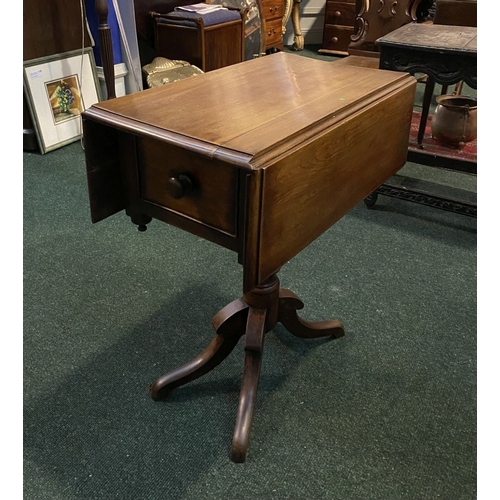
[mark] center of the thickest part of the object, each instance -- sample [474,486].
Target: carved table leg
[298,39]
[289,303]
[230,326]
[254,342]
[255,314]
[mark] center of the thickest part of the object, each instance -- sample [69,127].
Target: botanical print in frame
[58,89]
[65,97]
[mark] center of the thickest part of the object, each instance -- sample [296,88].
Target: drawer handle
[334,39]
[337,13]
[180,186]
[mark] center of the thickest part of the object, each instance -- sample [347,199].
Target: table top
[433,37]
[253,107]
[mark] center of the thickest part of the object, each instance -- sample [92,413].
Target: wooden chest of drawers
[339,26]
[272,17]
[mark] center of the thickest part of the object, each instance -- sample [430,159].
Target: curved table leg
[298,39]
[287,316]
[253,315]
[253,355]
[230,326]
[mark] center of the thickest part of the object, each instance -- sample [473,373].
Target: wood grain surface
[254,106]
[433,37]
[306,192]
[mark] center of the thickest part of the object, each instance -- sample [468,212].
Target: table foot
[229,324]
[371,199]
[253,315]
[289,303]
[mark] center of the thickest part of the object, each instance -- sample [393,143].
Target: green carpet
[387,412]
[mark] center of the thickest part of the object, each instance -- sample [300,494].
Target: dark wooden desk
[260,157]
[447,54]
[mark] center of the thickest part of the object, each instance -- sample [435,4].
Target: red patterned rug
[434,147]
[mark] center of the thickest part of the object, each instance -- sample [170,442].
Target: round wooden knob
[337,13]
[334,39]
[180,186]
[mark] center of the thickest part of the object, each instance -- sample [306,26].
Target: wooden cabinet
[339,26]
[208,47]
[272,20]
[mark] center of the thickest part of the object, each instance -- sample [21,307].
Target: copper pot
[455,120]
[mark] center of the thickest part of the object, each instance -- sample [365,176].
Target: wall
[52,27]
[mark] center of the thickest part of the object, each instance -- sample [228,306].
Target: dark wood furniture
[273,15]
[226,157]
[52,27]
[145,24]
[456,12]
[207,47]
[272,12]
[376,19]
[447,54]
[338,26]
[351,27]
[372,21]
[451,13]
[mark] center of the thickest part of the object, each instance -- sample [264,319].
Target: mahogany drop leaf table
[259,157]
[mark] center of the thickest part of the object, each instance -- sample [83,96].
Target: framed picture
[58,89]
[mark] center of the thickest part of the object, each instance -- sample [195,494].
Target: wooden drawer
[337,37]
[272,9]
[274,30]
[212,200]
[342,14]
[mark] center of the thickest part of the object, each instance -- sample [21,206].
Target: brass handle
[180,186]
